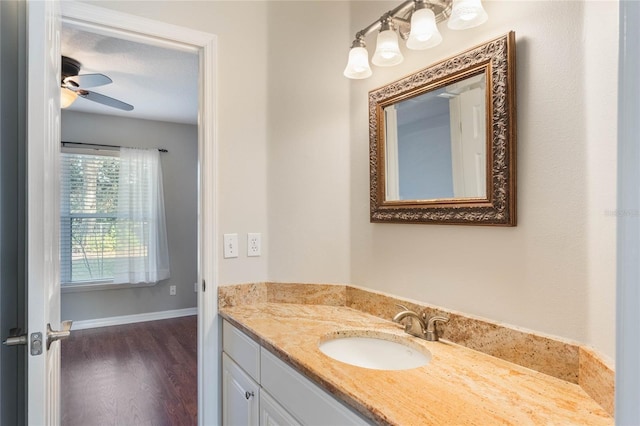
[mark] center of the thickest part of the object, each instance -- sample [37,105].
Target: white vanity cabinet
[240,395]
[260,389]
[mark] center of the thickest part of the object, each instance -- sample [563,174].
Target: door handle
[15,338]
[53,335]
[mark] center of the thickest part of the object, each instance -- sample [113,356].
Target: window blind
[88,213]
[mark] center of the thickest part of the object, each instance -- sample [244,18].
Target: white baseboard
[130,319]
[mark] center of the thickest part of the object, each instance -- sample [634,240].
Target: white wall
[601,118]
[289,169]
[554,272]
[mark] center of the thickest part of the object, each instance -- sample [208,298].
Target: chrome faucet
[416,325]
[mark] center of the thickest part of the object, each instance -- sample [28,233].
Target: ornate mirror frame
[496,59]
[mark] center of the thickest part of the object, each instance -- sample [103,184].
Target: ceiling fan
[73,85]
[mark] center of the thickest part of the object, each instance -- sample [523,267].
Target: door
[43,144]
[240,395]
[43,29]
[272,413]
[468,138]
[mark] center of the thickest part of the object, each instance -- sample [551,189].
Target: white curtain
[142,251]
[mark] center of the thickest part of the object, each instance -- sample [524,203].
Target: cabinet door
[301,397]
[240,395]
[272,413]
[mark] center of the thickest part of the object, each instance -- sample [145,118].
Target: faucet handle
[405,308]
[432,334]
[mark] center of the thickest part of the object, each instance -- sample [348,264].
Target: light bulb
[424,31]
[387,50]
[358,64]
[67,97]
[466,14]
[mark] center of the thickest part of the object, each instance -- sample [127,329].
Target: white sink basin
[375,350]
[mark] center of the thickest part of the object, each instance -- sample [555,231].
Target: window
[112,225]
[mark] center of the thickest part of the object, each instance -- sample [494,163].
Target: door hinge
[204,286]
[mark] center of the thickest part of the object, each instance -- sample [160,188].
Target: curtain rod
[102,145]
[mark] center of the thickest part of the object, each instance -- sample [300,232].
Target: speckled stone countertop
[460,386]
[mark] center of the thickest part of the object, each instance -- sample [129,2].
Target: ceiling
[160,83]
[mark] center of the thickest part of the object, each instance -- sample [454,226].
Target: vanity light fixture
[415,21]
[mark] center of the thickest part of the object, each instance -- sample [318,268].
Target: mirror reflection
[436,144]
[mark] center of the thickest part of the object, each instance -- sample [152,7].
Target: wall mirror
[443,141]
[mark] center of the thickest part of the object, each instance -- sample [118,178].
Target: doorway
[141,30]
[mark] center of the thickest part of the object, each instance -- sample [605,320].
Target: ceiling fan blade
[89,80]
[105,100]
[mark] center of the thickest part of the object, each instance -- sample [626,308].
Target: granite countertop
[459,386]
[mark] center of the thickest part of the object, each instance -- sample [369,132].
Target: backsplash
[553,357]
[559,358]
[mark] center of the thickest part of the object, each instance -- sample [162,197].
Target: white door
[272,413]
[468,142]
[43,144]
[42,203]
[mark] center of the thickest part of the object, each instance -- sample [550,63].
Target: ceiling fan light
[67,97]
[358,65]
[387,51]
[424,31]
[466,14]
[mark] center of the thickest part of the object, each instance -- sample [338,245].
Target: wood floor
[135,374]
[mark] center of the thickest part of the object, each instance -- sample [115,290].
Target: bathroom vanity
[259,388]
[274,373]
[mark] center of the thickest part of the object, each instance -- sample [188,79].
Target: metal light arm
[401,14]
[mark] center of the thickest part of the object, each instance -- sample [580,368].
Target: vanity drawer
[242,349]
[306,401]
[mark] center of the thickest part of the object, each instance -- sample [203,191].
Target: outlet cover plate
[254,244]
[230,245]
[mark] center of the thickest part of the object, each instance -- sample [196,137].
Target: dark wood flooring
[134,374]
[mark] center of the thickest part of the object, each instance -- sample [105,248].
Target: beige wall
[555,271]
[309,154]
[601,117]
[242,40]
[293,155]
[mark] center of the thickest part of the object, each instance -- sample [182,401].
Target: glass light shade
[67,97]
[358,65]
[387,51]
[424,31]
[466,14]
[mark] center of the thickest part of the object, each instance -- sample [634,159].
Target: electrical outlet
[254,244]
[172,290]
[230,245]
